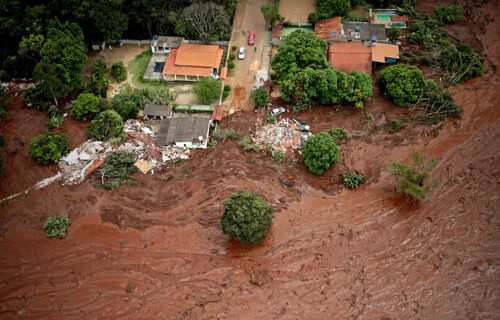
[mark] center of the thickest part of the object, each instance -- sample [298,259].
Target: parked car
[241,53]
[251,38]
[277,111]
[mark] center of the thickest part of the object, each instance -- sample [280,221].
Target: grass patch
[137,68]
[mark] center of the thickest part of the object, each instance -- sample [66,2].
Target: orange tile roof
[217,114]
[223,73]
[399,18]
[383,50]
[350,56]
[277,29]
[172,68]
[324,28]
[199,55]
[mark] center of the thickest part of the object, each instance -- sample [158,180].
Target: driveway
[247,18]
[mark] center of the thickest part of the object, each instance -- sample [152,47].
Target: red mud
[156,250]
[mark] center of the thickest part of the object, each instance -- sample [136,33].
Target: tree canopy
[259,97]
[48,148]
[86,107]
[449,14]
[128,110]
[320,152]
[333,8]
[207,90]
[247,217]
[108,124]
[403,83]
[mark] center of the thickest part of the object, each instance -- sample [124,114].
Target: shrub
[98,82]
[108,124]
[227,87]
[320,152]
[333,8]
[207,90]
[118,71]
[225,94]
[259,97]
[271,119]
[394,125]
[278,155]
[54,121]
[312,18]
[338,134]
[56,227]
[234,47]
[52,147]
[127,110]
[223,134]
[414,181]
[230,65]
[394,33]
[245,142]
[403,84]
[449,14]
[370,117]
[232,56]
[247,217]
[86,107]
[352,179]
[117,168]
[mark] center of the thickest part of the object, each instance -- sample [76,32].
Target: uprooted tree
[117,168]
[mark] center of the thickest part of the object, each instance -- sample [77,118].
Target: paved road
[247,18]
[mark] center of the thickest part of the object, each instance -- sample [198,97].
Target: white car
[241,53]
[277,111]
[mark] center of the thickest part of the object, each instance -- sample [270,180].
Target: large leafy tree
[247,217]
[333,8]
[207,90]
[52,147]
[320,152]
[110,20]
[108,124]
[259,97]
[86,107]
[403,83]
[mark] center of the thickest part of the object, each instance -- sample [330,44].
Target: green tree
[117,168]
[338,134]
[259,97]
[118,71]
[207,90]
[98,82]
[51,83]
[56,227]
[333,8]
[449,14]
[110,20]
[52,147]
[108,124]
[270,12]
[86,107]
[355,87]
[414,182]
[128,110]
[394,33]
[403,83]
[463,63]
[320,152]
[352,179]
[247,217]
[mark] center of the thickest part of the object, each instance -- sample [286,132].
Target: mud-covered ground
[156,250]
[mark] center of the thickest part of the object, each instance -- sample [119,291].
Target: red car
[251,38]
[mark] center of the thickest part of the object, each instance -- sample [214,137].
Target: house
[157,112]
[191,61]
[189,132]
[328,28]
[384,53]
[350,56]
[164,44]
[362,31]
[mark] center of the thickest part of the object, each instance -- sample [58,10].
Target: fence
[140,42]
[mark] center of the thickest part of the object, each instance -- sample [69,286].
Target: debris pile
[286,135]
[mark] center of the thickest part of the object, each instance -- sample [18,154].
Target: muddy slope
[156,250]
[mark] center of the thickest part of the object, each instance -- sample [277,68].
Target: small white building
[163,44]
[184,132]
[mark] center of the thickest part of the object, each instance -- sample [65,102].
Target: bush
[312,18]
[271,119]
[338,134]
[232,56]
[320,152]
[403,83]
[230,65]
[86,107]
[394,33]
[54,121]
[247,217]
[118,71]
[414,181]
[352,179]
[227,87]
[225,94]
[449,14]
[245,142]
[117,168]
[234,47]
[108,124]
[127,110]
[223,134]
[207,90]
[52,147]
[56,227]
[259,97]
[278,155]
[394,125]
[98,82]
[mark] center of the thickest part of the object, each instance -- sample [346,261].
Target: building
[189,132]
[164,44]
[191,61]
[156,112]
[350,56]
[327,29]
[362,31]
[384,53]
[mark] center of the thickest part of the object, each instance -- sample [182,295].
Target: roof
[169,42]
[350,56]
[324,28]
[171,68]
[179,130]
[199,55]
[367,30]
[277,29]
[382,50]
[217,114]
[157,110]
[399,18]
[143,166]
[223,73]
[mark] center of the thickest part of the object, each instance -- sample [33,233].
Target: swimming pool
[384,17]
